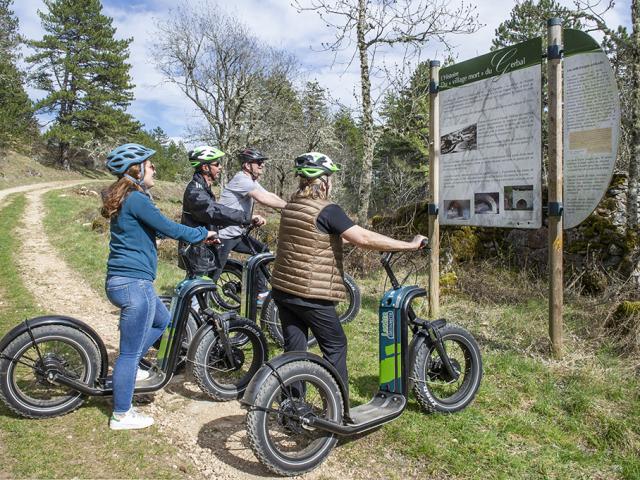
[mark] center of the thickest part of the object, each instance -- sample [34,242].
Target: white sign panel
[591,126]
[490,144]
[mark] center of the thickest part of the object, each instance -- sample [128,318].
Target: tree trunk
[367,119]
[63,155]
[633,203]
[633,206]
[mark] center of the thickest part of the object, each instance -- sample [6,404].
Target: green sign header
[505,60]
[576,41]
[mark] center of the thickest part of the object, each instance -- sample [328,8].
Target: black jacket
[199,208]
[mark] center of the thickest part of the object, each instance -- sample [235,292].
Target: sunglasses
[259,162]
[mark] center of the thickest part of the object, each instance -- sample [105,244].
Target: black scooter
[48,363]
[297,403]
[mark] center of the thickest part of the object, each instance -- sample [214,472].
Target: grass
[74,226]
[533,417]
[78,445]
[17,169]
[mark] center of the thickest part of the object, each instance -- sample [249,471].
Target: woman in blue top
[131,269]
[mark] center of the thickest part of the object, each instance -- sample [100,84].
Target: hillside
[18,169]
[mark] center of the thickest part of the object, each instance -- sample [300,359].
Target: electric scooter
[49,363]
[298,404]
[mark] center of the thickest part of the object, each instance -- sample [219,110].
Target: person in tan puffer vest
[307,278]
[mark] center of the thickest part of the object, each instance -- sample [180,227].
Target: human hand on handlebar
[420,242]
[212,238]
[258,220]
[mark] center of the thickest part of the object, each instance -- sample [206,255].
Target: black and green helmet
[203,155]
[314,164]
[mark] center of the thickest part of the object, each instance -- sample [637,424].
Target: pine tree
[16,114]
[83,69]
[529,19]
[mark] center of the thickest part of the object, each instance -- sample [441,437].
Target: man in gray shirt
[240,193]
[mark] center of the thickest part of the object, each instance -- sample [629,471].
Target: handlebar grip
[424,243]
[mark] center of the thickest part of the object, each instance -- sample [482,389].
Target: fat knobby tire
[431,404]
[198,367]
[256,418]
[83,345]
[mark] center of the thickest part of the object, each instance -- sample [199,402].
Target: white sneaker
[142,375]
[261,298]
[130,420]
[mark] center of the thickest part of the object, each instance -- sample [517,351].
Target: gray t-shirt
[235,195]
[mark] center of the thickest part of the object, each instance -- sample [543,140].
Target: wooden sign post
[554,69]
[434,172]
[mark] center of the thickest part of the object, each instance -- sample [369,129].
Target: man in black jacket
[200,208]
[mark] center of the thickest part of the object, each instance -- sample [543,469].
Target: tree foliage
[83,70]
[528,19]
[234,80]
[372,26]
[17,123]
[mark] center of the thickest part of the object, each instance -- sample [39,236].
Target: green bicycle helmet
[203,155]
[314,164]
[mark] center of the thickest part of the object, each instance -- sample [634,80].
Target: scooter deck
[382,408]
[153,382]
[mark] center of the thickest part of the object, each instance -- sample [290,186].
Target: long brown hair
[315,188]
[114,194]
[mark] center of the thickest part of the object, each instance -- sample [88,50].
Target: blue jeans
[143,319]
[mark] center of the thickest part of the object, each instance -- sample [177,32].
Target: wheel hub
[290,408]
[219,357]
[231,288]
[47,366]
[437,371]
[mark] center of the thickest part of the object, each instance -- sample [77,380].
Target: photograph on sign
[457,209]
[460,140]
[490,145]
[485,203]
[591,126]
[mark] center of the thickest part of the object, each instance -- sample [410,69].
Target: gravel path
[209,434]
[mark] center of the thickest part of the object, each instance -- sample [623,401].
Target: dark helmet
[314,164]
[248,155]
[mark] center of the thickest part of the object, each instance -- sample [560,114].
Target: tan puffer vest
[308,262]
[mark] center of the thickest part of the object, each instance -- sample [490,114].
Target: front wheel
[24,385]
[223,376]
[435,390]
[281,442]
[346,311]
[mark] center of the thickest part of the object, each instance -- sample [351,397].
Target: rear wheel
[24,384]
[435,390]
[282,442]
[224,378]
[229,287]
[346,311]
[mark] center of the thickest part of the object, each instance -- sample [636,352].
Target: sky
[276,22]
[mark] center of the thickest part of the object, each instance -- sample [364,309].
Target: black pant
[326,327]
[241,245]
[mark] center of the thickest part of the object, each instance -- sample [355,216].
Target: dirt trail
[38,186]
[209,434]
